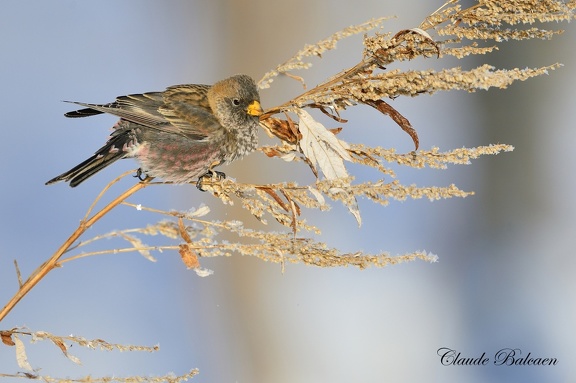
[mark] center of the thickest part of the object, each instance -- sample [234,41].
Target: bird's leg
[139,174]
[209,174]
[219,175]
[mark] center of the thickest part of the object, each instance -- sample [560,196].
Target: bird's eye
[236,101]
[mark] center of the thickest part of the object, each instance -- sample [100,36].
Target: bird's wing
[138,108]
[186,107]
[181,109]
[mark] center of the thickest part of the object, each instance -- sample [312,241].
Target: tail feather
[83,171]
[86,112]
[107,155]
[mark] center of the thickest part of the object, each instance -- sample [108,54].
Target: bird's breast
[241,142]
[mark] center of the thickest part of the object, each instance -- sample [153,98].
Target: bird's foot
[140,174]
[209,174]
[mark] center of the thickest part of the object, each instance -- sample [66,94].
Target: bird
[180,134]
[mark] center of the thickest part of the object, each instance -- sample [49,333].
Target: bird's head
[235,101]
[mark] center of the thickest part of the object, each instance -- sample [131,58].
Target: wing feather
[181,109]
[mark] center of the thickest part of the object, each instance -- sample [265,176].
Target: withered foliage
[370,83]
[449,31]
[12,338]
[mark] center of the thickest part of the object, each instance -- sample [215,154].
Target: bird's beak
[254,109]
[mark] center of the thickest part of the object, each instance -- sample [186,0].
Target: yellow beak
[254,109]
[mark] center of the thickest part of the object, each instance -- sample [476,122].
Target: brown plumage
[177,135]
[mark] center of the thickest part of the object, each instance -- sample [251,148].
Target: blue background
[505,276]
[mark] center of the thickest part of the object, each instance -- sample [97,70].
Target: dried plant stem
[358,68]
[85,224]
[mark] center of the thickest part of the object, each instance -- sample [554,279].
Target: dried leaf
[423,33]
[322,147]
[418,31]
[286,152]
[183,233]
[283,129]
[188,257]
[293,127]
[58,342]
[276,197]
[297,78]
[271,152]
[201,272]
[21,357]
[323,109]
[350,202]
[312,166]
[200,212]
[18,274]
[383,107]
[295,210]
[139,246]
[73,359]
[316,193]
[291,156]
[6,337]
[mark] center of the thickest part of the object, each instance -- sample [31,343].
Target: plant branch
[52,262]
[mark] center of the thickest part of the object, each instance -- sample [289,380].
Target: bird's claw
[139,174]
[209,174]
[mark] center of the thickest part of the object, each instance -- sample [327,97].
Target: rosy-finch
[178,135]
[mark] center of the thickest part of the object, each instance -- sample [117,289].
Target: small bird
[178,135]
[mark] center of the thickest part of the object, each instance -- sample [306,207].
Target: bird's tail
[106,155]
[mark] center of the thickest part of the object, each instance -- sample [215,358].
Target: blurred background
[506,255]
